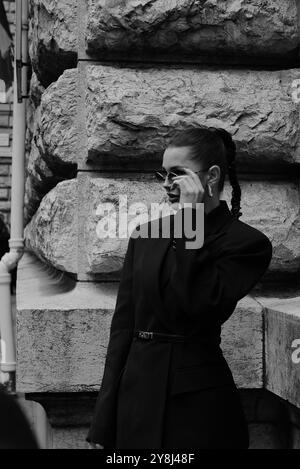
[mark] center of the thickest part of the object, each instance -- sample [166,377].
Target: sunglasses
[162,174]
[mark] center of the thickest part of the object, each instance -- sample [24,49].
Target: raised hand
[191,188]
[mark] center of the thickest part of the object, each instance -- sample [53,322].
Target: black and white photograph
[150,227]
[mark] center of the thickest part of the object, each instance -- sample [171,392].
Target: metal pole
[16,242]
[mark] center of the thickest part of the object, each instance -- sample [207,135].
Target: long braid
[231,170]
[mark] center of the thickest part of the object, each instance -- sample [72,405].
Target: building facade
[110,82]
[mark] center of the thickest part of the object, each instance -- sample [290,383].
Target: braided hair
[230,148]
[213,146]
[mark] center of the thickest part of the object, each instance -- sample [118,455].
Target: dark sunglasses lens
[160,176]
[172,176]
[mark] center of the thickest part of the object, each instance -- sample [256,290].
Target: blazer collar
[217,218]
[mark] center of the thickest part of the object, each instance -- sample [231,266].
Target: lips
[173,196]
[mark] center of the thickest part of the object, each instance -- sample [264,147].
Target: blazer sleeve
[103,427]
[208,287]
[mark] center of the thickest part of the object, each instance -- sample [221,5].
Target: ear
[214,174]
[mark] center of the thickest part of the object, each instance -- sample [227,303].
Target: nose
[167,184]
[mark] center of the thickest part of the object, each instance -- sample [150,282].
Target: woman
[166,383]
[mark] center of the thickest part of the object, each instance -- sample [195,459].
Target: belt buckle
[145,335]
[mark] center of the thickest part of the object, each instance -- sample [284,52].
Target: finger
[191,186]
[191,173]
[188,187]
[194,176]
[188,184]
[177,181]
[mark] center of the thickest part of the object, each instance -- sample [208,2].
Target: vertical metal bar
[18,60]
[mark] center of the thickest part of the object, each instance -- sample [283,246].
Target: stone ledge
[282,330]
[63,330]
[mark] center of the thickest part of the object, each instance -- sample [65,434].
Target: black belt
[151,335]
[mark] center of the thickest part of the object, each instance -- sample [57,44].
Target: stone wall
[111,80]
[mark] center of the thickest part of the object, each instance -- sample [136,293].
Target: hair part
[213,146]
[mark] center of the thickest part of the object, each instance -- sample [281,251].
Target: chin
[175,204]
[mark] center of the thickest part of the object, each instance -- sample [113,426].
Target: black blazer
[140,375]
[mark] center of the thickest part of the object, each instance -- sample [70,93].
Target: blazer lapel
[155,248]
[217,219]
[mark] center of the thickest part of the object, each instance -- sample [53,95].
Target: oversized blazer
[207,282]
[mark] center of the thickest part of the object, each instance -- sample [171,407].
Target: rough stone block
[273,208]
[178,30]
[135,192]
[52,233]
[282,344]
[52,37]
[244,351]
[32,197]
[36,90]
[33,107]
[37,168]
[57,135]
[51,137]
[132,113]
